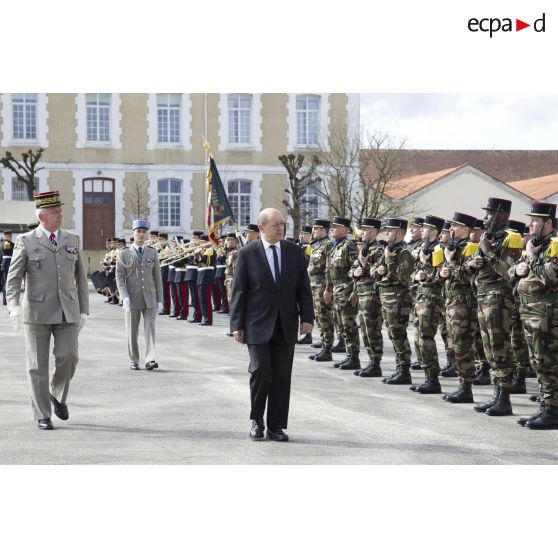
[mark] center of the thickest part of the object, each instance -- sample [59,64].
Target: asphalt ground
[194,409]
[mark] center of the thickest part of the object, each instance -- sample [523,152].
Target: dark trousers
[194,302]
[270,379]
[216,296]
[3,281]
[175,299]
[204,297]
[223,294]
[166,289]
[183,299]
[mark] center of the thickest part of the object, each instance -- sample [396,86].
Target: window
[239,198]
[170,198]
[98,191]
[310,203]
[98,116]
[24,110]
[240,118]
[168,117]
[19,189]
[307,119]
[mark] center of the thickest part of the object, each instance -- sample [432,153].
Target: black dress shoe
[151,365]
[134,366]
[181,318]
[257,430]
[277,435]
[205,323]
[193,321]
[229,334]
[60,409]
[45,424]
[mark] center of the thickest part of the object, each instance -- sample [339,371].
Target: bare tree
[136,199]
[299,178]
[25,171]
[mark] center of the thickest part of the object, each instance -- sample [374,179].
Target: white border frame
[255,121]
[7,123]
[185,124]
[291,120]
[115,141]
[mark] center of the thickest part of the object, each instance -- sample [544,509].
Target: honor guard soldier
[339,288]
[251,232]
[429,302]
[231,250]
[192,279]
[220,300]
[538,295]
[415,245]
[6,251]
[163,251]
[491,264]
[321,247]
[206,259]
[138,277]
[393,274]
[366,292]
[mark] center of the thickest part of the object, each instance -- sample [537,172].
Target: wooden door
[98,212]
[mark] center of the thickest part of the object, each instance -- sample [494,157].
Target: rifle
[365,250]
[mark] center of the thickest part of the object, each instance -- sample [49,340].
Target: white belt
[203,268]
[172,267]
[6,257]
[191,267]
[221,266]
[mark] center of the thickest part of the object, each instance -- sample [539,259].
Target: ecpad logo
[493,25]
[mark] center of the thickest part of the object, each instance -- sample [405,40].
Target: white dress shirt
[269,256]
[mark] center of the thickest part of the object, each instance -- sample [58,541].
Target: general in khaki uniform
[56,303]
[138,276]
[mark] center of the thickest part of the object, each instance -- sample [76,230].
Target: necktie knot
[52,238]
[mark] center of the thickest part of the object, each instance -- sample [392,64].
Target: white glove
[82,321]
[159,307]
[15,317]
[126,304]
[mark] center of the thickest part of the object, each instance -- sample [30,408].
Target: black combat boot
[415,386]
[432,385]
[535,398]
[338,364]
[403,377]
[305,340]
[317,345]
[524,420]
[481,407]
[463,395]
[397,369]
[448,371]
[503,406]
[373,370]
[518,384]
[353,363]
[531,373]
[324,355]
[340,347]
[547,421]
[417,365]
[482,377]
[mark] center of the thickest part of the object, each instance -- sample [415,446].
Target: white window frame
[115,124]
[240,195]
[170,195]
[255,128]
[185,124]
[6,113]
[323,120]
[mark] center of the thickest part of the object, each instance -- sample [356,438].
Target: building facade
[115,157]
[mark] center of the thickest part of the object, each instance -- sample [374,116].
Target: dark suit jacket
[257,300]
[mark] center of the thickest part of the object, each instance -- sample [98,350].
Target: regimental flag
[218,209]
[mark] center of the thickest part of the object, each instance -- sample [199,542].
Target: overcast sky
[454,121]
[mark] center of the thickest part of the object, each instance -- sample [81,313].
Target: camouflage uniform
[495,309]
[538,295]
[461,317]
[369,305]
[415,248]
[231,260]
[396,300]
[317,274]
[339,262]
[429,309]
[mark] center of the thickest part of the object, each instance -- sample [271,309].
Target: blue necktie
[140,250]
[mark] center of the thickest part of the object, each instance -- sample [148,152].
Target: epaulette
[437,256]
[470,249]
[552,250]
[513,241]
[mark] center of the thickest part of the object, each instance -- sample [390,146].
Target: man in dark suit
[270,296]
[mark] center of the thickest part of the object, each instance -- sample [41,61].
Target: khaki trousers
[132,319]
[37,346]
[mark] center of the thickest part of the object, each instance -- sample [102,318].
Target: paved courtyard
[194,409]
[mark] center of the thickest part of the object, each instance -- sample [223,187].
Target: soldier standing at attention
[415,246]
[206,278]
[429,302]
[461,318]
[538,295]
[339,288]
[394,276]
[231,251]
[491,264]
[366,293]
[321,247]
[251,232]
[138,277]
